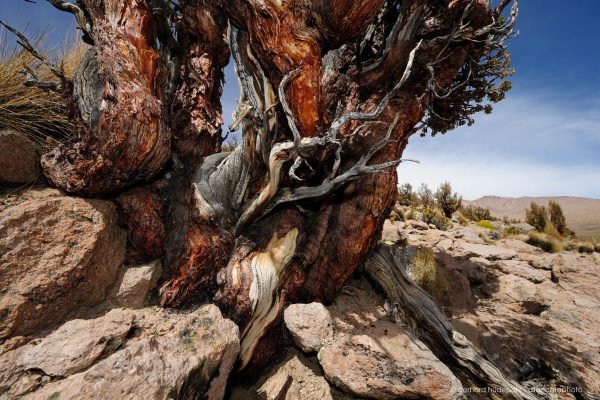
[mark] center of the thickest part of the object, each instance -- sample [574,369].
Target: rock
[296,378]
[134,284]
[468,235]
[522,269]
[419,225]
[525,227]
[192,360]
[386,362]
[372,357]
[521,247]
[310,325]
[484,250]
[73,347]
[18,158]
[445,244]
[58,255]
[390,232]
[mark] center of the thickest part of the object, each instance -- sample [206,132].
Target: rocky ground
[76,323]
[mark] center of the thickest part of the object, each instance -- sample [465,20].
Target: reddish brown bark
[293,212]
[123,140]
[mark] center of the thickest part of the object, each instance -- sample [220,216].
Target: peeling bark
[331,92]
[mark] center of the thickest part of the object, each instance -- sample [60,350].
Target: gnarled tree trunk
[331,91]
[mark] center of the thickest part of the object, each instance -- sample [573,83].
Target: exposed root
[415,307]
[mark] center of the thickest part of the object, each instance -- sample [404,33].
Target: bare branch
[32,80]
[82,20]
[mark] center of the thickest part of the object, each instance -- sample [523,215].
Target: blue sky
[544,139]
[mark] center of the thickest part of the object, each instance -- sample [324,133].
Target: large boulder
[72,348]
[18,158]
[177,356]
[490,252]
[58,255]
[309,324]
[373,357]
[386,362]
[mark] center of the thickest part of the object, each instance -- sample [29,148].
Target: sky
[543,140]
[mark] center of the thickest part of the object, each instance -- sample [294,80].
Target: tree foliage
[536,216]
[448,201]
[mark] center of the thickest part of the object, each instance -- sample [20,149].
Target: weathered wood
[122,139]
[331,92]
[414,307]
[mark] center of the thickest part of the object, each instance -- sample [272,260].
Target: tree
[557,217]
[330,94]
[449,202]
[536,216]
[406,196]
[425,195]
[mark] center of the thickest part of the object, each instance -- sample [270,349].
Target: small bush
[551,230]
[462,219]
[436,217]
[512,231]
[547,243]
[585,247]
[425,194]
[486,224]
[446,200]
[477,214]
[536,216]
[411,214]
[425,274]
[406,196]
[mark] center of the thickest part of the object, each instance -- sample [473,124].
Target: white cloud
[537,144]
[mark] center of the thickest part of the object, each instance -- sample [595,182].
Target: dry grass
[425,274]
[38,114]
[545,242]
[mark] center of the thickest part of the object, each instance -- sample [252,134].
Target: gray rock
[310,325]
[191,360]
[134,284]
[484,250]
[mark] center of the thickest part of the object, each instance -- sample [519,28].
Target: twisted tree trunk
[330,93]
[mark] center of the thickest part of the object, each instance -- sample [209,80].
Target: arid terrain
[78,324]
[583,214]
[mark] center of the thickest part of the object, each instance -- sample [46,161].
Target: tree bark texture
[331,91]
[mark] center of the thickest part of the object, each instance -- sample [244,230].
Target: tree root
[416,308]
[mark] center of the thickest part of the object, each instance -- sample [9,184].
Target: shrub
[477,214]
[411,214]
[446,200]
[544,242]
[512,231]
[38,114]
[557,217]
[536,216]
[436,217]
[585,247]
[486,224]
[462,219]
[551,230]
[425,194]
[406,196]
[425,273]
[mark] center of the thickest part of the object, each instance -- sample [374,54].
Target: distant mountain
[582,214]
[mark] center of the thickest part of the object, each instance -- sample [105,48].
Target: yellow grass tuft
[38,114]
